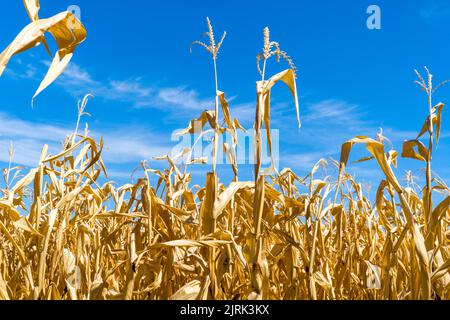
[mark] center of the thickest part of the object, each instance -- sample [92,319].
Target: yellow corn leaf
[436,119]
[192,243]
[363,160]
[189,291]
[231,124]
[392,157]
[231,155]
[8,235]
[196,125]
[225,109]
[288,77]
[207,218]
[24,224]
[437,215]
[182,214]
[373,275]
[377,150]
[263,91]
[10,209]
[200,160]
[33,8]
[409,152]
[420,246]
[322,281]
[3,289]
[226,196]
[441,271]
[25,181]
[64,27]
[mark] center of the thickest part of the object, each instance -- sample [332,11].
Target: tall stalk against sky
[213,48]
[263,88]
[208,220]
[259,266]
[434,118]
[271,48]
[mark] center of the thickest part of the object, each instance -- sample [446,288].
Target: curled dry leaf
[65,28]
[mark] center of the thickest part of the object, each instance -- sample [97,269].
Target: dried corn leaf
[409,152]
[436,119]
[373,275]
[189,291]
[64,27]
[377,150]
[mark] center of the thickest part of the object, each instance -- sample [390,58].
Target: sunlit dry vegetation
[66,235]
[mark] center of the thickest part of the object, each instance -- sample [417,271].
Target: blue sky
[136,61]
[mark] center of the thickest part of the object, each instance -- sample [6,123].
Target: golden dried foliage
[64,235]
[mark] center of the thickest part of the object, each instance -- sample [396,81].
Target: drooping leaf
[65,28]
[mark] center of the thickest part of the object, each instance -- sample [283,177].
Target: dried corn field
[64,234]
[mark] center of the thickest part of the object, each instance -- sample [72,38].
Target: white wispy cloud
[435,11]
[15,127]
[244,112]
[181,96]
[27,71]
[337,111]
[121,145]
[302,161]
[330,122]
[134,91]
[326,126]
[125,88]
[132,145]
[75,79]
